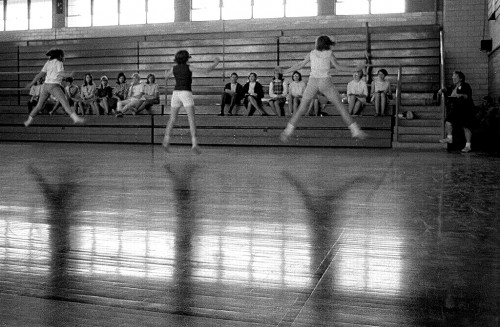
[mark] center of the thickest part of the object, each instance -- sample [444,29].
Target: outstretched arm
[298,66]
[206,70]
[345,68]
[35,79]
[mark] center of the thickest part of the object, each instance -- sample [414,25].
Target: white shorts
[182,99]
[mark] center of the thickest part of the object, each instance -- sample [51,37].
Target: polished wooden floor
[127,235]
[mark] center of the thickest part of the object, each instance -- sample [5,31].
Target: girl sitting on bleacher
[88,92]
[151,95]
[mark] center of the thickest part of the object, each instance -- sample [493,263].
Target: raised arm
[298,66]
[205,70]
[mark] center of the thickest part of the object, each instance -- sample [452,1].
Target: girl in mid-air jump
[54,73]
[321,59]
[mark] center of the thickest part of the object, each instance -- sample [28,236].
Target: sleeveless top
[320,63]
[183,77]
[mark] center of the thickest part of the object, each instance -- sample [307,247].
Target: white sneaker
[28,121]
[78,120]
[285,137]
[359,134]
[446,140]
[466,149]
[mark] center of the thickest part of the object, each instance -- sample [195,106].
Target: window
[105,13]
[247,9]
[387,6]
[16,15]
[2,19]
[268,8]
[301,8]
[83,13]
[236,9]
[132,12]
[160,11]
[205,10]
[362,7]
[40,14]
[79,13]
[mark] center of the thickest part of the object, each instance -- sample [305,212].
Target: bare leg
[303,108]
[291,102]
[105,105]
[256,105]
[192,129]
[41,103]
[357,107]
[334,97]
[170,125]
[449,133]
[468,137]
[352,102]
[383,104]
[296,104]
[376,101]
[95,108]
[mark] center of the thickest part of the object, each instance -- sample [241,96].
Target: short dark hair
[252,73]
[324,42]
[460,75]
[234,74]
[150,75]
[383,71]
[55,53]
[298,73]
[69,79]
[182,57]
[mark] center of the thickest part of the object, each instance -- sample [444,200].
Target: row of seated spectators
[135,97]
[103,99]
[281,92]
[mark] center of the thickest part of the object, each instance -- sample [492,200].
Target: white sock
[354,128]
[28,121]
[449,137]
[467,144]
[74,116]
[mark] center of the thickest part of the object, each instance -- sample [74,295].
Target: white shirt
[296,88]
[52,68]
[320,63]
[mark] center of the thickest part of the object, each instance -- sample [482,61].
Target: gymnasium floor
[126,235]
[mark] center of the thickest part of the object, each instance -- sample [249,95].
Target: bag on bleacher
[407,115]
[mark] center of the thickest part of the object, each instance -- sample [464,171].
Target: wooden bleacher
[211,129]
[242,52]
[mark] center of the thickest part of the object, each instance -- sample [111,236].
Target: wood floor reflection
[126,235]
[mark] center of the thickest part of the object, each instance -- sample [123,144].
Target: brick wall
[463,31]
[494,56]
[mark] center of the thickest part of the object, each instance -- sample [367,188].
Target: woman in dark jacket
[253,95]
[460,109]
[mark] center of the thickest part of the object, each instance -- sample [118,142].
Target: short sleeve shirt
[52,68]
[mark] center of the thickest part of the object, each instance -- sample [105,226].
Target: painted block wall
[463,28]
